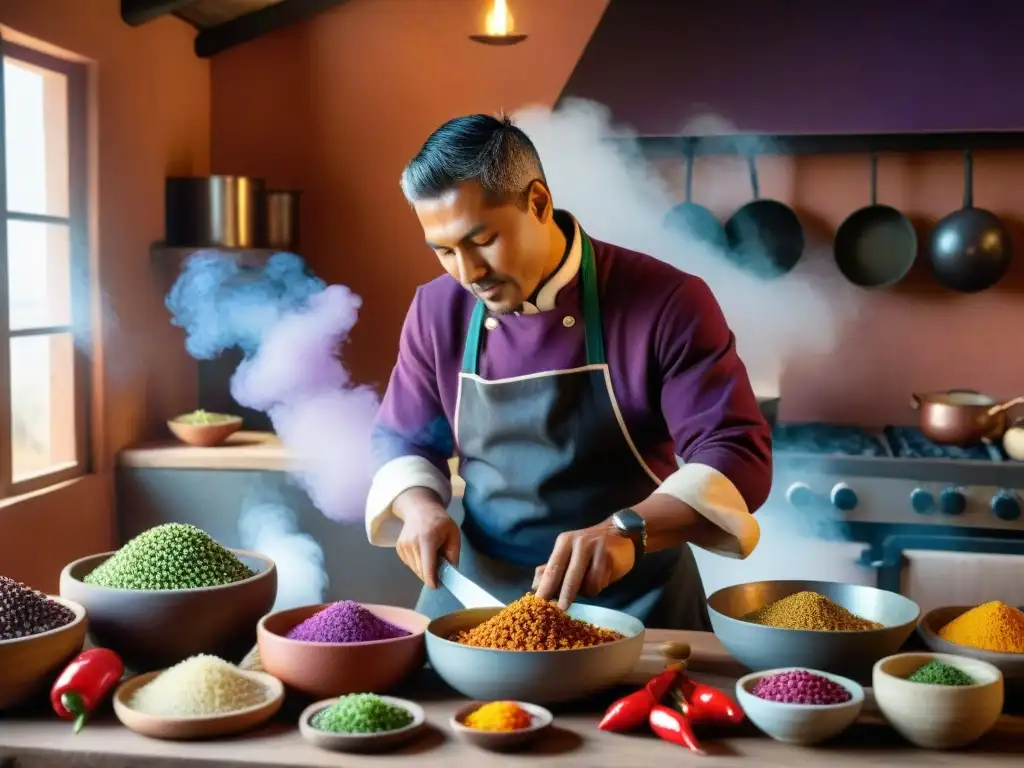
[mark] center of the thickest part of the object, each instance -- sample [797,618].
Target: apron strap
[593,335]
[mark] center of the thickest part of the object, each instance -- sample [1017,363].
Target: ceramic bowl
[843,653]
[1010,664]
[152,629]
[29,665]
[197,727]
[335,669]
[802,724]
[204,435]
[938,716]
[545,677]
[501,740]
[361,742]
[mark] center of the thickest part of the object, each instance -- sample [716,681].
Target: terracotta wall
[336,105]
[151,117]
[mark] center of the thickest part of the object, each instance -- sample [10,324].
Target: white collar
[548,293]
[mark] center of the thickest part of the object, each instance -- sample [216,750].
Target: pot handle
[915,400]
[997,409]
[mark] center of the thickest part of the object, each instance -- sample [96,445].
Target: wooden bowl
[156,628]
[29,665]
[335,669]
[1010,664]
[938,716]
[199,727]
[500,741]
[361,742]
[205,435]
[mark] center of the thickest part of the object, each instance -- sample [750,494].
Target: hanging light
[499,26]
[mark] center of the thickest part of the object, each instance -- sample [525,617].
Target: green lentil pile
[171,556]
[361,713]
[939,673]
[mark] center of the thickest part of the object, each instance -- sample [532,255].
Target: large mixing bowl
[842,653]
[541,677]
[29,665]
[154,628]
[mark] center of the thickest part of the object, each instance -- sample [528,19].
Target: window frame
[77,222]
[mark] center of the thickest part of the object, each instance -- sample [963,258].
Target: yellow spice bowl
[938,716]
[1010,664]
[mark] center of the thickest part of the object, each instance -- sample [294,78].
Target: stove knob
[800,495]
[844,497]
[952,501]
[922,501]
[1006,505]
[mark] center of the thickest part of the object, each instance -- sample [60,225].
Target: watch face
[630,523]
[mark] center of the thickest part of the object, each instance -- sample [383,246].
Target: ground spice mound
[25,612]
[801,687]
[993,626]
[345,622]
[171,556]
[809,610]
[532,624]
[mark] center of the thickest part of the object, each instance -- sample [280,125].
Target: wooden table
[42,742]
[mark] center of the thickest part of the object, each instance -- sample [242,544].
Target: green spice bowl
[938,716]
[153,628]
[362,742]
[1010,664]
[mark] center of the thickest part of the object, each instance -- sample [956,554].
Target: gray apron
[549,453]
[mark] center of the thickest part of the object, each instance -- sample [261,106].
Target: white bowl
[938,716]
[803,724]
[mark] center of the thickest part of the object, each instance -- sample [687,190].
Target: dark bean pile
[25,612]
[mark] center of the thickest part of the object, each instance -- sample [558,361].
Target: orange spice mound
[532,624]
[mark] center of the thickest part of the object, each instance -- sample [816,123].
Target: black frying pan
[875,246]
[765,237]
[695,220]
[970,249]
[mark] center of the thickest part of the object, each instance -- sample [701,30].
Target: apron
[547,453]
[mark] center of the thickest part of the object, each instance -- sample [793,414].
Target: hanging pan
[695,220]
[970,248]
[875,246]
[765,237]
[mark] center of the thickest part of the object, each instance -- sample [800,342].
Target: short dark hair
[491,151]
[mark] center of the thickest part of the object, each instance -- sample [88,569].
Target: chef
[567,374]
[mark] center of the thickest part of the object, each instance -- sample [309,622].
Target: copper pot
[962,416]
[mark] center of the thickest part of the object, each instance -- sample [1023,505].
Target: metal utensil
[962,416]
[465,591]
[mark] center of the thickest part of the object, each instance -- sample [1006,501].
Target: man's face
[498,252]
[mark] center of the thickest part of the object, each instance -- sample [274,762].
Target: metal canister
[281,218]
[213,211]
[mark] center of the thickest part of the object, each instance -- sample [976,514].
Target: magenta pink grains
[800,687]
[345,622]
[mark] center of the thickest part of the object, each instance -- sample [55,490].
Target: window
[44,291]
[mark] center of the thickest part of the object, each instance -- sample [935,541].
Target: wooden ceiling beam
[218,39]
[138,12]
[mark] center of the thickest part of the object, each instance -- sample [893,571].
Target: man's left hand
[584,562]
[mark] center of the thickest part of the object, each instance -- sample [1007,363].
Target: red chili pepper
[633,710]
[704,705]
[673,727]
[84,684]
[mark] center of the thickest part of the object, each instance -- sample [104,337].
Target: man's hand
[428,529]
[586,562]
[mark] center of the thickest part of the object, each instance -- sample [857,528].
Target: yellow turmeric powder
[992,626]
[499,716]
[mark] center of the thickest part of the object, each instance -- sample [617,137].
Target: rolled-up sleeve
[722,439]
[412,437]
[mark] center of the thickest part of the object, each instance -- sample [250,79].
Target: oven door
[935,571]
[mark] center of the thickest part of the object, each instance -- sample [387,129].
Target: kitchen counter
[259,451]
[40,741]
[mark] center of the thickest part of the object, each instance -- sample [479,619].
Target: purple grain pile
[345,622]
[25,612]
[799,687]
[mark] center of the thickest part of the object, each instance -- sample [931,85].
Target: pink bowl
[325,670]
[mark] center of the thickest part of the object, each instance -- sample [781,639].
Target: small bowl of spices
[800,706]
[938,701]
[500,725]
[361,722]
[991,632]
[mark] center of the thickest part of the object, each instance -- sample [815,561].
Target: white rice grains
[199,686]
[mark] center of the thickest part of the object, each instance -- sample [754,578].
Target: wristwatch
[630,524]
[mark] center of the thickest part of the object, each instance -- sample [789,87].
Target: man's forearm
[413,497]
[672,523]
